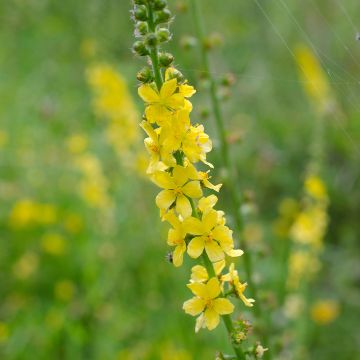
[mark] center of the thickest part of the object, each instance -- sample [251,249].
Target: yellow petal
[200,323]
[175,101]
[183,206]
[212,319]
[148,94]
[175,237]
[214,251]
[211,186]
[196,247]
[178,254]
[168,88]
[222,234]
[145,125]
[187,90]
[192,189]
[193,226]
[223,306]
[165,199]
[219,266]
[159,114]
[209,220]
[180,175]
[198,289]
[163,180]
[207,203]
[213,288]
[234,252]
[199,274]
[172,219]
[194,306]
[247,302]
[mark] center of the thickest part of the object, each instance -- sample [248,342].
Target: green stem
[154,51]
[232,181]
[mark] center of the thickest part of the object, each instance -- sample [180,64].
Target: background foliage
[83,280]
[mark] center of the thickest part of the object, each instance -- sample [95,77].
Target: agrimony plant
[177,148]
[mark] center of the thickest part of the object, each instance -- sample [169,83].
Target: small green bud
[228,80]
[151,40]
[159,4]
[140,13]
[163,16]
[145,75]
[140,48]
[142,28]
[163,35]
[140,2]
[176,74]
[165,59]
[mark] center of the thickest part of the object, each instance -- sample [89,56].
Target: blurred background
[83,270]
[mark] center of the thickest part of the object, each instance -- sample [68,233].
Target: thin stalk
[232,181]
[154,51]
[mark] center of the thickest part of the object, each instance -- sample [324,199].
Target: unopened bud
[176,74]
[228,79]
[140,2]
[145,75]
[163,16]
[166,59]
[163,35]
[151,40]
[140,13]
[140,48]
[159,4]
[142,28]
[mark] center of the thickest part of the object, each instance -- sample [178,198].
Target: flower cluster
[113,102]
[308,231]
[176,147]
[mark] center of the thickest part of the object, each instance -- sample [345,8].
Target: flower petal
[196,247]
[183,206]
[210,219]
[213,288]
[192,189]
[163,180]
[168,88]
[214,251]
[175,101]
[212,319]
[180,175]
[199,274]
[199,289]
[223,306]
[193,226]
[165,198]
[148,94]
[194,306]
[178,254]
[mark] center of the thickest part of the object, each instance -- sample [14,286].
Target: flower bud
[145,75]
[140,2]
[163,16]
[140,48]
[140,13]
[159,4]
[228,79]
[163,35]
[176,74]
[141,28]
[165,59]
[151,40]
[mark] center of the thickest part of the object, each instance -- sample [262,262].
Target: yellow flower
[161,105]
[53,244]
[77,143]
[316,187]
[207,303]
[233,278]
[324,312]
[204,178]
[177,188]
[176,237]
[211,236]
[200,274]
[155,148]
